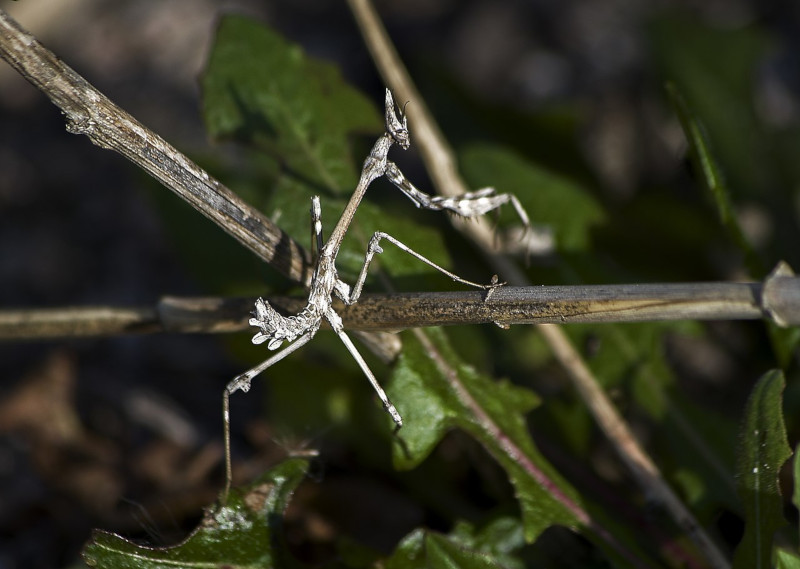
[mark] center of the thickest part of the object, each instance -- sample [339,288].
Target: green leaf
[263,90]
[442,552]
[244,533]
[796,476]
[550,199]
[707,165]
[762,452]
[501,539]
[787,559]
[435,391]
[428,550]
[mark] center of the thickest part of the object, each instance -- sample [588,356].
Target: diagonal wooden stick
[87,111]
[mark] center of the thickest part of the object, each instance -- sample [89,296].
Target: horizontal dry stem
[505,306]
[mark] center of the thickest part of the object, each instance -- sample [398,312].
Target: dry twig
[778,299]
[87,111]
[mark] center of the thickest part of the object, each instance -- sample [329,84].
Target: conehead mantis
[274,329]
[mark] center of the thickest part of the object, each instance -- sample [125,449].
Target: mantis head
[396,126]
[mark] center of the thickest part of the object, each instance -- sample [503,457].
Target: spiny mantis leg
[374,248]
[470,204]
[242,381]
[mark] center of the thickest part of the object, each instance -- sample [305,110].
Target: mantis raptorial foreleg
[470,204]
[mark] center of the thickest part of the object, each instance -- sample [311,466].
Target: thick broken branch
[87,111]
